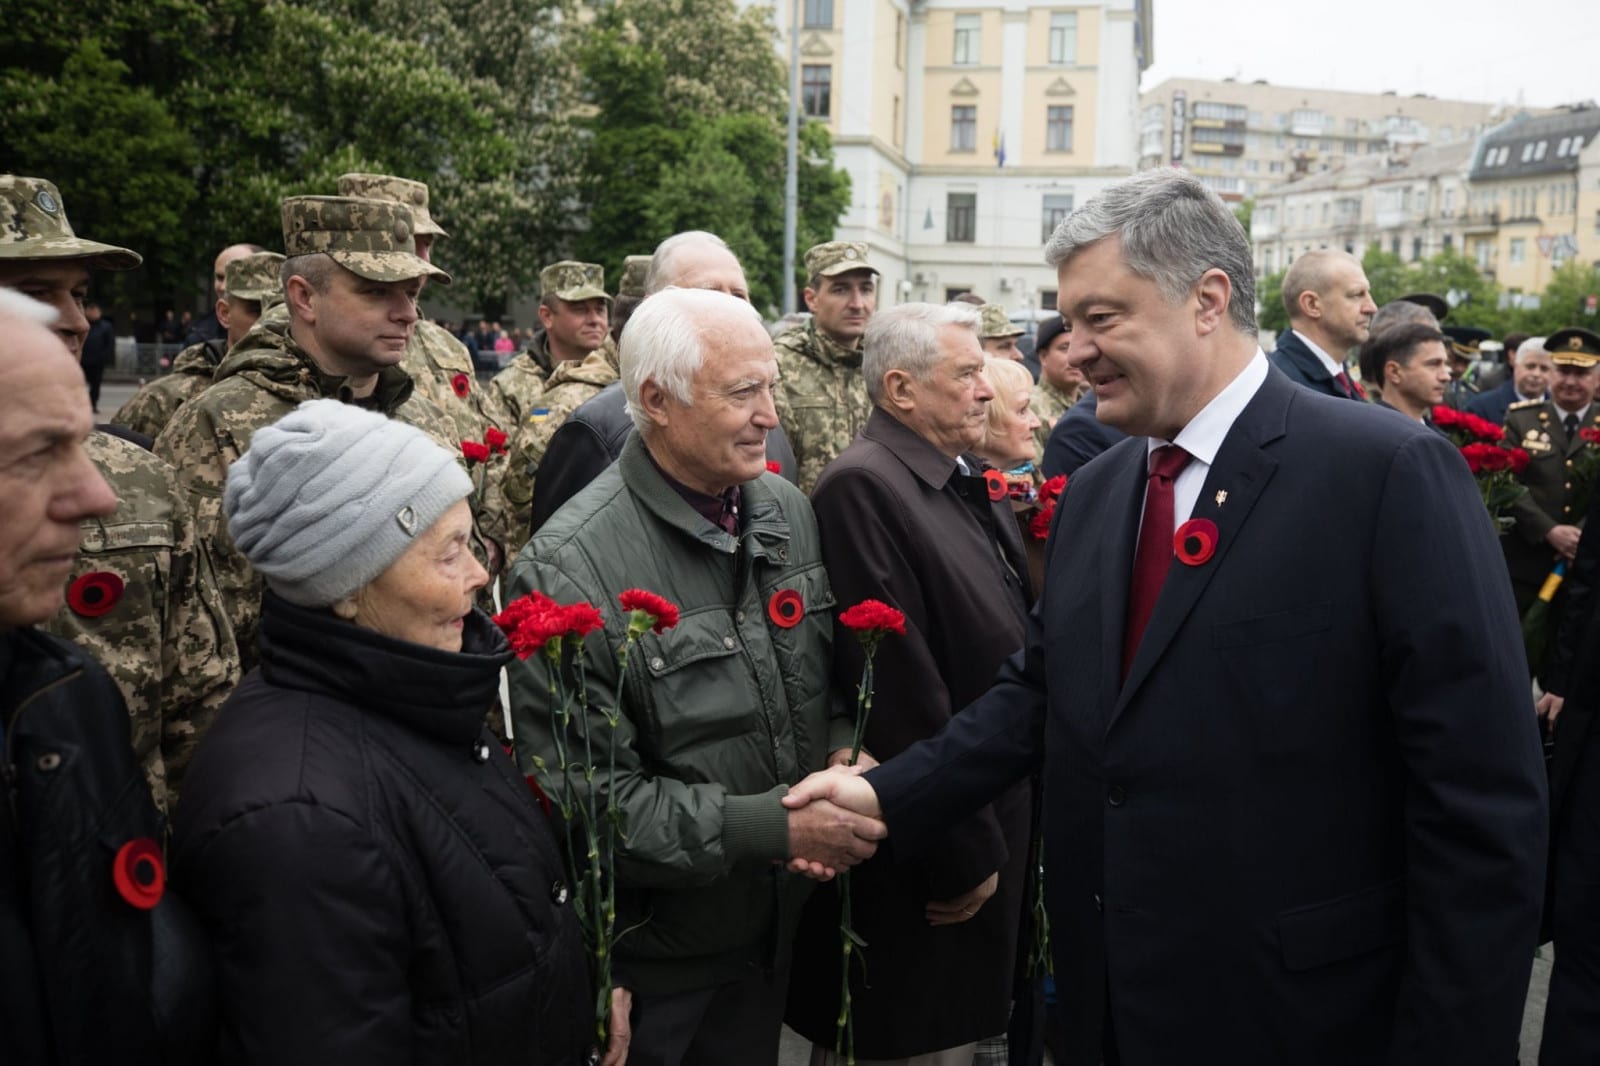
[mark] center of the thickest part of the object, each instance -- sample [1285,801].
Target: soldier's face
[720,439]
[1574,386]
[237,317]
[46,479]
[1053,364]
[1002,348]
[843,304]
[576,325]
[63,284]
[361,326]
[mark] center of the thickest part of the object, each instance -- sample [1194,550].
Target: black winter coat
[379,882]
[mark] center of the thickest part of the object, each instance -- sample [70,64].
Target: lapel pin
[1222,497]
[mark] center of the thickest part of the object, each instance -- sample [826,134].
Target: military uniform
[143,600]
[268,374]
[995,324]
[1464,348]
[253,277]
[1048,405]
[516,389]
[822,397]
[1538,427]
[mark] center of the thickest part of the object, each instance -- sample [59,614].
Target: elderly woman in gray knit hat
[379,883]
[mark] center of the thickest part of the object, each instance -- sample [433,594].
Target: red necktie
[1154,553]
[1350,387]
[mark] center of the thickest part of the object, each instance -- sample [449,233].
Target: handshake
[834,819]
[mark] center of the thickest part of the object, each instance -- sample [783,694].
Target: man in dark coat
[1330,312]
[907,518]
[1078,437]
[1295,799]
[99,351]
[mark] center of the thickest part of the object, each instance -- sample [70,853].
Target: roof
[1528,146]
[1424,161]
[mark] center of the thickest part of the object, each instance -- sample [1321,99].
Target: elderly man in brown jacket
[908,517]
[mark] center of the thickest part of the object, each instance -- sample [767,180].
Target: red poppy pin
[1196,541]
[93,594]
[462,385]
[786,608]
[997,484]
[139,874]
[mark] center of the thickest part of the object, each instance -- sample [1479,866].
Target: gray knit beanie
[330,495]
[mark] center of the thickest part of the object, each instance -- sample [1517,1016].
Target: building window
[964,128]
[961,217]
[819,14]
[895,132]
[1416,249]
[1519,250]
[1253,165]
[1275,168]
[1058,128]
[816,90]
[1063,38]
[1047,300]
[1394,245]
[1449,242]
[1449,201]
[967,40]
[1056,208]
[1349,147]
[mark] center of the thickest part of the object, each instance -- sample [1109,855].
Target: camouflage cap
[573,281]
[414,194]
[635,269]
[254,277]
[996,323]
[1573,346]
[837,257]
[33,225]
[369,238]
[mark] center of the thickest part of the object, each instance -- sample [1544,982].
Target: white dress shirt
[1202,437]
[1332,365]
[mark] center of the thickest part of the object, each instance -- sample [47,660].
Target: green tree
[1453,275]
[1564,300]
[1244,210]
[1269,295]
[1386,274]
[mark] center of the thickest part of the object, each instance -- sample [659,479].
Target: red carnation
[581,618]
[1052,489]
[475,451]
[1589,435]
[530,622]
[1039,524]
[1446,417]
[662,612]
[1485,458]
[1481,428]
[774,467]
[495,439]
[874,615]
[461,384]
[1519,460]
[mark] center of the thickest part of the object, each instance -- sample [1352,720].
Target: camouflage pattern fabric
[635,272]
[831,258]
[994,322]
[371,238]
[33,225]
[1048,404]
[520,383]
[257,277]
[263,378]
[822,398]
[150,409]
[142,599]
[574,281]
[414,194]
[572,385]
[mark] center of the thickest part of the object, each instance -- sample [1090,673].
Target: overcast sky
[1541,52]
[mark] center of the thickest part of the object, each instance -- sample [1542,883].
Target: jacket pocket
[1273,628]
[699,694]
[1343,928]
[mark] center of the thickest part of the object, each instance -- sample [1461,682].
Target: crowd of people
[1205,734]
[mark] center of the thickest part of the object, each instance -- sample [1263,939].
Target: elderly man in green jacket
[720,713]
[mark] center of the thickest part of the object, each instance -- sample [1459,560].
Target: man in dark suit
[1078,436]
[1330,312]
[1531,374]
[1295,799]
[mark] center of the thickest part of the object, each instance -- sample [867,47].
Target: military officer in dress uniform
[1464,350]
[1551,431]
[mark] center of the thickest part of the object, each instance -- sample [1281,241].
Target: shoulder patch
[1524,404]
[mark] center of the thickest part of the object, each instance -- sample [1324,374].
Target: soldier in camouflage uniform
[822,400]
[630,291]
[250,282]
[351,283]
[572,329]
[998,334]
[1060,385]
[141,597]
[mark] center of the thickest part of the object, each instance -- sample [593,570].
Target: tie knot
[1168,461]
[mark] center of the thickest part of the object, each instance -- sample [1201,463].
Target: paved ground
[796,1052]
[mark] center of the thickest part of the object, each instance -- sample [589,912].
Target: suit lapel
[1242,470]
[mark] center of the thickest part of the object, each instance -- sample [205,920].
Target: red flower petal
[139,874]
[1196,541]
[475,451]
[538,794]
[93,594]
[663,610]
[1052,489]
[774,467]
[997,484]
[786,608]
[1039,524]
[874,615]
[462,385]
[495,439]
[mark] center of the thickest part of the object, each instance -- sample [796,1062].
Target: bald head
[219,266]
[1328,300]
[46,478]
[696,260]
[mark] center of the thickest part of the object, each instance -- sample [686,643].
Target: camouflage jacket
[569,387]
[520,383]
[264,377]
[151,408]
[822,399]
[444,374]
[1049,403]
[143,600]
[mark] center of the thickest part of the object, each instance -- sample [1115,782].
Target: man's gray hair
[665,342]
[14,304]
[906,338]
[660,275]
[1173,229]
[1530,346]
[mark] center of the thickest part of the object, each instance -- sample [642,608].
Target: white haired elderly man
[720,714]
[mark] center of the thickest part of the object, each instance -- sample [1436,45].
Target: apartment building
[970,128]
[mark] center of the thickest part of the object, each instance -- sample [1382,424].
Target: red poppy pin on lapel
[139,874]
[786,608]
[1196,541]
[461,385]
[93,594]
[997,484]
